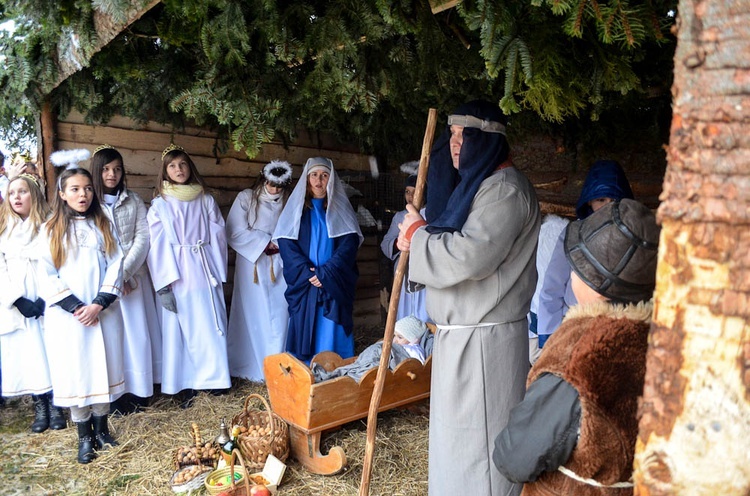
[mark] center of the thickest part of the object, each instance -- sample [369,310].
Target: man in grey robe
[476,255]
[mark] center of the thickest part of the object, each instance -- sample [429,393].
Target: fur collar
[641,311]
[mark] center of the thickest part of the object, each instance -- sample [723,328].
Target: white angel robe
[189,252]
[85,363]
[142,337]
[259,318]
[22,351]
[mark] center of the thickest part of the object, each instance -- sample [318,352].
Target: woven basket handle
[265,403]
[236,454]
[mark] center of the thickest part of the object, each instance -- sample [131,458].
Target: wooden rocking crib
[311,408]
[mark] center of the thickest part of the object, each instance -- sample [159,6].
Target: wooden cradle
[311,408]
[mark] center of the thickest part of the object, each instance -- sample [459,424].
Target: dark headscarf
[452,191]
[605,179]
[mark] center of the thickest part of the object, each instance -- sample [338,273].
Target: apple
[259,490]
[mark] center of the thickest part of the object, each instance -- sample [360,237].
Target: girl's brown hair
[98,161]
[59,224]
[260,183]
[39,208]
[195,177]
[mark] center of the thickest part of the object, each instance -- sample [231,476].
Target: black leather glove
[40,305]
[104,299]
[70,303]
[26,307]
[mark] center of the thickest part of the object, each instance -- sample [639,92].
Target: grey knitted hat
[410,328]
[614,250]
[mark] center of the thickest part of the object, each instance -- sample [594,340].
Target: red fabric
[414,227]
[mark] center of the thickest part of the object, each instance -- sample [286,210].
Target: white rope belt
[448,327]
[198,248]
[592,482]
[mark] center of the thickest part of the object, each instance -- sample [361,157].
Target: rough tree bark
[695,427]
[72,57]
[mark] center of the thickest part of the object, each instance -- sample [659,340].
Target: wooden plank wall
[226,174]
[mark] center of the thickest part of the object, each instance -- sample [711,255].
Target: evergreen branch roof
[366,70]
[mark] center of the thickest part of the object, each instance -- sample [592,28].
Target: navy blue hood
[606,179]
[451,192]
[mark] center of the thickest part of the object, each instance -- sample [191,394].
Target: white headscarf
[340,216]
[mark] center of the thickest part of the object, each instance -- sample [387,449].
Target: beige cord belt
[592,482]
[448,327]
[198,248]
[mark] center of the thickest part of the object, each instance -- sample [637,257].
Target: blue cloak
[320,319]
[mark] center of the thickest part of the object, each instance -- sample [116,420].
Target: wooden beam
[46,147]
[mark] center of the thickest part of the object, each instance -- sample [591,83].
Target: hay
[45,464]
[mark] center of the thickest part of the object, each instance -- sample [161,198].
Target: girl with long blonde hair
[22,350]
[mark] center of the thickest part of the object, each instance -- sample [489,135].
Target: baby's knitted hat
[411,328]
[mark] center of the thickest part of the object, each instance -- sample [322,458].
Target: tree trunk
[694,434]
[73,57]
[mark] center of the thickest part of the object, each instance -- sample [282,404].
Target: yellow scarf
[183,192]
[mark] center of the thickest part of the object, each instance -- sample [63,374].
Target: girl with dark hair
[142,338]
[83,266]
[259,317]
[188,264]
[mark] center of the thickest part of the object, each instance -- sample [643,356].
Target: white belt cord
[592,482]
[198,248]
[449,327]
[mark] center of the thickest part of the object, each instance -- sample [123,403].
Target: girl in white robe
[83,265]
[188,264]
[22,348]
[142,337]
[259,317]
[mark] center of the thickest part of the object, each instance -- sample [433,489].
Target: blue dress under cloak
[320,319]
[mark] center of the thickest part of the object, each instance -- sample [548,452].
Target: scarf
[182,192]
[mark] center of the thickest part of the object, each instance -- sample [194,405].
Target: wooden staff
[377,391]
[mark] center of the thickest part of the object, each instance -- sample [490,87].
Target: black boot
[41,413]
[85,441]
[102,438]
[57,418]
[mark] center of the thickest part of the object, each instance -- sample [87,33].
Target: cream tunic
[23,355]
[85,362]
[142,337]
[480,281]
[259,317]
[189,252]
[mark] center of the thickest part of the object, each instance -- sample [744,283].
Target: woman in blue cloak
[318,238]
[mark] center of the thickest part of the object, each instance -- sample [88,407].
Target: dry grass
[45,464]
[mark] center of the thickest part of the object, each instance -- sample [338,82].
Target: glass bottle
[226,448]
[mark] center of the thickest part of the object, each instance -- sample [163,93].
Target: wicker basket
[264,433]
[237,487]
[194,483]
[198,453]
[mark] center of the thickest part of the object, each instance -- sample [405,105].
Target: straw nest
[45,464]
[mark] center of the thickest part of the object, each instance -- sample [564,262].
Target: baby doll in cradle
[410,340]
